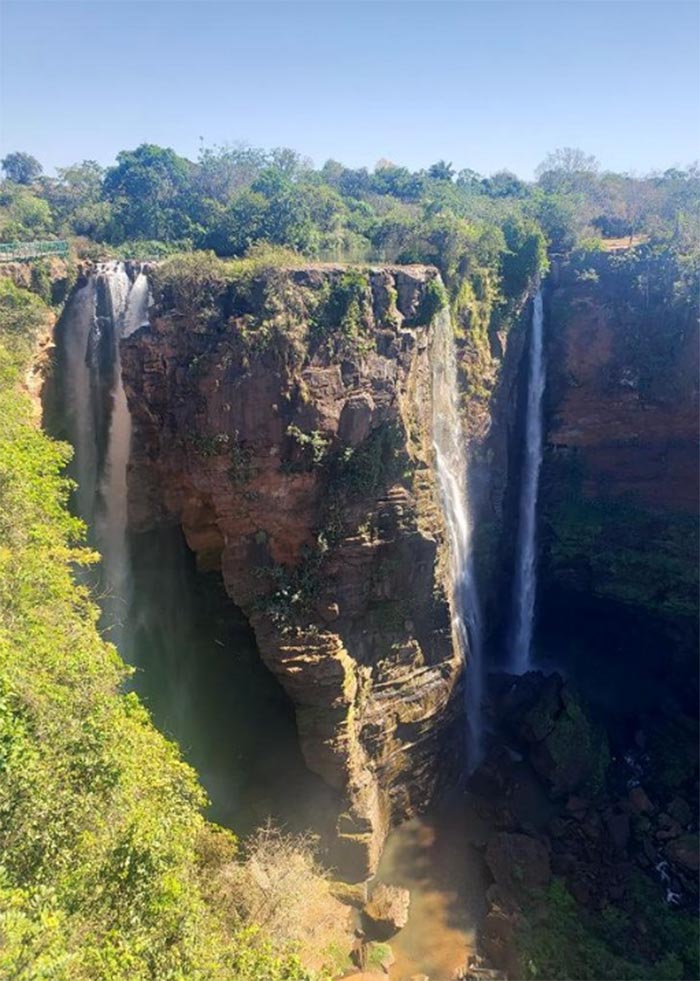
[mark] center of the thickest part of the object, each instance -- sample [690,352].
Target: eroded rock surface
[283,419]
[387,911]
[619,490]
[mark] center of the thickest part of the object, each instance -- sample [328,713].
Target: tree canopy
[233,197]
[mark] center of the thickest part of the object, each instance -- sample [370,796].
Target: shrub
[278,884]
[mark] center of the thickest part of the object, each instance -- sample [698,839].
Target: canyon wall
[282,417]
[619,496]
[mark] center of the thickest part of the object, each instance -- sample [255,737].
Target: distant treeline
[233,197]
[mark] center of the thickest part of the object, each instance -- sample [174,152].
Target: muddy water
[437,859]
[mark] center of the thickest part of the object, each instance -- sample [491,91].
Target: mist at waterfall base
[525,579]
[199,672]
[197,665]
[451,462]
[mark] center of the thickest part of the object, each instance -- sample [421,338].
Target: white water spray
[451,460]
[525,585]
[106,309]
[129,306]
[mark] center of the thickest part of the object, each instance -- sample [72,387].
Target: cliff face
[620,479]
[283,419]
[492,416]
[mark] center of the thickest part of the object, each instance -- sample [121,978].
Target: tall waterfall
[451,460]
[110,306]
[525,583]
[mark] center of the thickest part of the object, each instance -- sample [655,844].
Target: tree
[568,171]
[525,255]
[150,190]
[441,171]
[289,162]
[21,168]
[225,170]
[504,184]
[399,182]
[76,199]
[23,215]
[568,160]
[469,179]
[563,219]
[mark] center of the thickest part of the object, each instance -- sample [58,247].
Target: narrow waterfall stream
[525,582]
[451,460]
[122,307]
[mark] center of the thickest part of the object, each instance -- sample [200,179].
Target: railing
[19,251]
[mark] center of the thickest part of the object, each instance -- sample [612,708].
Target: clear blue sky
[486,85]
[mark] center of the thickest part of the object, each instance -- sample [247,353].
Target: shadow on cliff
[199,672]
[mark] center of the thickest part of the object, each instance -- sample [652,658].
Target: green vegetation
[294,589]
[313,448]
[640,940]
[576,745]
[434,300]
[620,550]
[487,235]
[108,869]
[378,461]
[651,284]
[349,303]
[487,232]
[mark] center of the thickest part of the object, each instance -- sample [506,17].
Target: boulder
[387,911]
[570,754]
[539,720]
[684,852]
[577,807]
[498,940]
[356,419]
[350,894]
[639,801]
[519,865]
[618,826]
[680,811]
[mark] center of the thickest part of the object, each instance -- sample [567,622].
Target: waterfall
[127,308]
[76,392]
[110,306]
[451,462]
[525,585]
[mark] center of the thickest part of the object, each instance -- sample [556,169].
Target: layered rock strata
[282,417]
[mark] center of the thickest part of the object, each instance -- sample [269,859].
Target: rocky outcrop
[587,838]
[623,387]
[282,417]
[387,912]
[51,278]
[519,864]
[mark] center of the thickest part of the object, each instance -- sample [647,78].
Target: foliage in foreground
[107,863]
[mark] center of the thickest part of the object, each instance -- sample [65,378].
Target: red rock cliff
[620,482]
[282,417]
